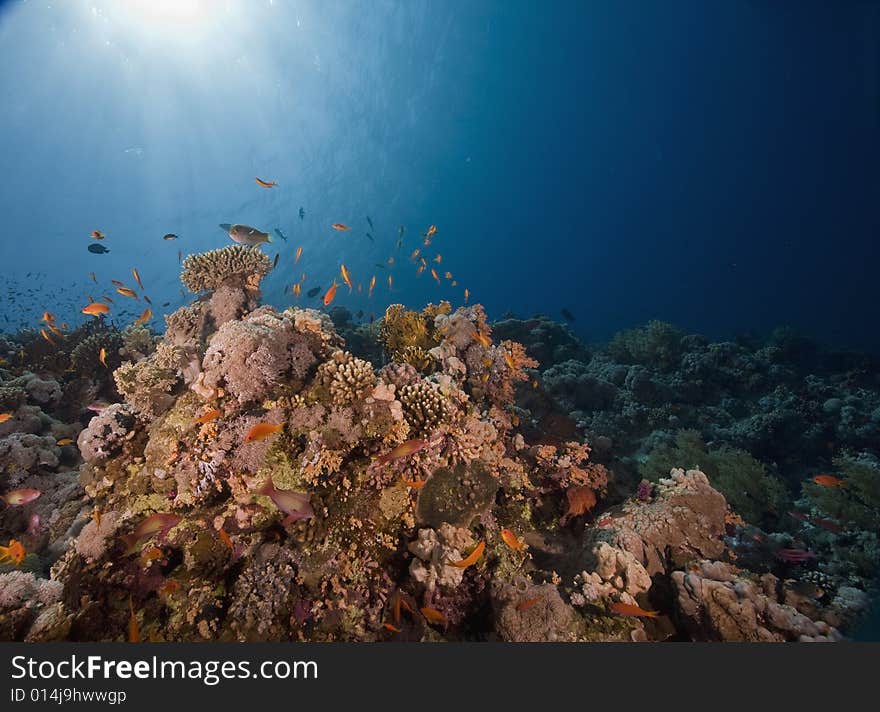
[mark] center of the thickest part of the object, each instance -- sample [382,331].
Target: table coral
[231,265]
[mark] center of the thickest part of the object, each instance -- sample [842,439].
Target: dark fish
[567,314]
[380,265]
[371,237]
[97,249]
[169,236]
[275,261]
[302,213]
[166,304]
[313,291]
[400,231]
[370,222]
[280,234]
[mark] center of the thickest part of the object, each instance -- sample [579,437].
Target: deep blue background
[709,164]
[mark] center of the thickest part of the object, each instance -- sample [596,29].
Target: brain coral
[243,266]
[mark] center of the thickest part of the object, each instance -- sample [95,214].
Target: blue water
[709,164]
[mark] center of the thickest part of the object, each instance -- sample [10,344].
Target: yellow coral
[406,335]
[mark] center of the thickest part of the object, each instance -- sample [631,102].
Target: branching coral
[423,406]
[348,379]
[233,265]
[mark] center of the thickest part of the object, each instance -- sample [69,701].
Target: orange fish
[6,416]
[420,269]
[435,275]
[297,289]
[432,615]
[331,294]
[151,554]
[467,295]
[447,275]
[438,259]
[145,317]
[54,329]
[46,336]
[828,481]
[170,586]
[208,417]
[96,516]
[265,183]
[410,447]
[415,253]
[390,282]
[14,553]
[510,539]
[137,277]
[117,283]
[431,231]
[360,288]
[18,497]
[134,635]
[627,609]
[483,339]
[64,325]
[48,317]
[126,292]
[224,537]
[397,607]
[454,283]
[391,261]
[98,235]
[299,251]
[372,284]
[393,629]
[95,309]
[527,603]
[64,441]
[508,359]
[159,523]
[346,277]
[341,227]
[261,431]
[471,559]
[102,357]
[415,484]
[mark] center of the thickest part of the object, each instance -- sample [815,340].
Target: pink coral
[252,356]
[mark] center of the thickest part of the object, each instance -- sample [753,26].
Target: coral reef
[255,474]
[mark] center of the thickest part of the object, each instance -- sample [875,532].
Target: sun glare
[167,14]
